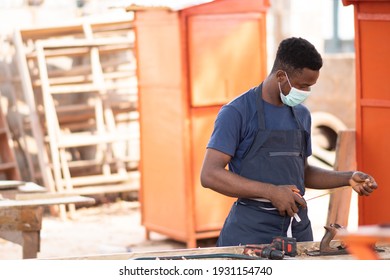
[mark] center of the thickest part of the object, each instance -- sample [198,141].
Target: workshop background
[91,101]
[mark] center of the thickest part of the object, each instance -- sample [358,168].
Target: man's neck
[270,91]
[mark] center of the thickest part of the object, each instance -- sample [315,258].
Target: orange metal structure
[361,244]
[372,43]
[190,63]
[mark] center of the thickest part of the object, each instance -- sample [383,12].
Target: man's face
[301,80]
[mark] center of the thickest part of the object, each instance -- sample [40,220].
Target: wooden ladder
[74,137]
[101,135]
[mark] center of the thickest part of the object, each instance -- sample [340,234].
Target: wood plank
[103,179]
[96,162]
[84,70]
[7,166]
[31,244]
[90,87]
[46,201]
[46,195]
[115,26]
[74,88]
[340,200]
[50,117]
[76,29]
[87,77]
[74,50]
[74,121]
[83,43]
[98,189]
[28,218]
[85,139]
[47,32]
[28,93]
[22,226]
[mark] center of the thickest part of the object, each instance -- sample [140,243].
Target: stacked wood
[80,85]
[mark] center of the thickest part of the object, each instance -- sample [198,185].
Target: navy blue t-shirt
[236,125]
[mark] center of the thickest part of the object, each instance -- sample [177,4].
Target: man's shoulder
[301,109]
[244,100]
[303,114]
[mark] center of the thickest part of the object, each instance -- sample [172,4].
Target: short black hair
[295,54]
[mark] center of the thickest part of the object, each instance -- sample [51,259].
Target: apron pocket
[289,154]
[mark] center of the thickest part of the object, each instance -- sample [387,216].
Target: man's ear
[280,76]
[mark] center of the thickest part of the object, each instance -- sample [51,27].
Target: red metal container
[190,63]
[372,44]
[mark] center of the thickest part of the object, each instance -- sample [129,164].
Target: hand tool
[325,247]
[263,251]
[279,247]
[286,244]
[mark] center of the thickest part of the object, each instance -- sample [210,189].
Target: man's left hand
[363,183]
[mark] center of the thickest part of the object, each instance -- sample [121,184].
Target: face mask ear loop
[288,80]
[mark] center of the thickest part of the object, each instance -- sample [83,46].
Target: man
[264,137]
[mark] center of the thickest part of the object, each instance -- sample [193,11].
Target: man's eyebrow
[308,84]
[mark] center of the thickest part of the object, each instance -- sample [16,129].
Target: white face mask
[295,96]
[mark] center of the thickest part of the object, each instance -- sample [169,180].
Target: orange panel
[375,154]
[372,29]
[225,56]
[375,61]
[158,28]
[373,8]
[162,161]
[211,208]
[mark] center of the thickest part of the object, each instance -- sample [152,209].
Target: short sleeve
[227,130]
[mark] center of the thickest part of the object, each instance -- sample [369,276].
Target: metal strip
[374,103]
[376,17]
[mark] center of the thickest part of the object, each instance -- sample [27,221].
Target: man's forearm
[231,184]
[319,178]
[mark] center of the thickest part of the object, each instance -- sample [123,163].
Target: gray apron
[276,157]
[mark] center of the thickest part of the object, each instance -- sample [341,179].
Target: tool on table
[286,244]
[325,248]
[279,247]
[263,251]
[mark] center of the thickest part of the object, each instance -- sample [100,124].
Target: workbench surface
[21,213]
[302,247]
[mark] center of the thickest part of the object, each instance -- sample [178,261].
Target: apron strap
[260,107]
[260,110]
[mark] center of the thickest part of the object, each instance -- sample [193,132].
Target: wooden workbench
[302,247]
[21,212]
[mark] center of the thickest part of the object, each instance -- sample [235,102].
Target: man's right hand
[286,199]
